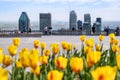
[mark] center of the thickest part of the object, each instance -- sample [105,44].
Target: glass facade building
[45,21]
[73,21]
[98,24]
[79,24]
[24,23]
[87,22]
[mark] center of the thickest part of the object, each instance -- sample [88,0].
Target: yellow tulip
[112,36]
[34,51]
[90,42]
[93,58]
[118,60]
[69,47]
[33,58]
[6,60]
[1,55]
[98,47]
[87,49]
[76,64]
[25,61]
[54,75]
[36,43]
[46,52]
[114,48]
[61,62]
[55,48]
[24,57]
[82,38]
[36,70]
[12,50]
[43,60]
[42,45]
[116,41]
[118,50]
[4,74]
[23,51]
[18,64]
[111,41]
[16,41]
[104,73]
[64,44]
[1,50]
[101,37]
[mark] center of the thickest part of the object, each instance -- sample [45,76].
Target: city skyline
[108,10]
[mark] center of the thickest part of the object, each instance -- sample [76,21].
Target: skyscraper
[87,22]
[98,24]
[79,24]
[73,20]
[45,21]
[24,23]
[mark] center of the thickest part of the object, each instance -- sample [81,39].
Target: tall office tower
[45,21]
[73,20]
[87,22]
[98,24]
[24,23]
[79,24]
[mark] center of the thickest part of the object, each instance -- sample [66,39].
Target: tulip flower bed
[90,62]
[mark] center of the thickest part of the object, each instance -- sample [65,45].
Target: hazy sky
[108,10]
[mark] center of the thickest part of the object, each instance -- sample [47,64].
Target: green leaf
[101,47]
[117,75]
[88,76]
[85,64]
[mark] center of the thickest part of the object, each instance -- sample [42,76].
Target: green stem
[13,71]
[41,52]
[24,74]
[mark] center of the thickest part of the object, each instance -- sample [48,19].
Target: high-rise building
[73,20]
[98,20]
[45,21]
[79,24]
[24,23]
[98,24]
[87,22]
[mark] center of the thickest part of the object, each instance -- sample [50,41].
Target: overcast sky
[108,10]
